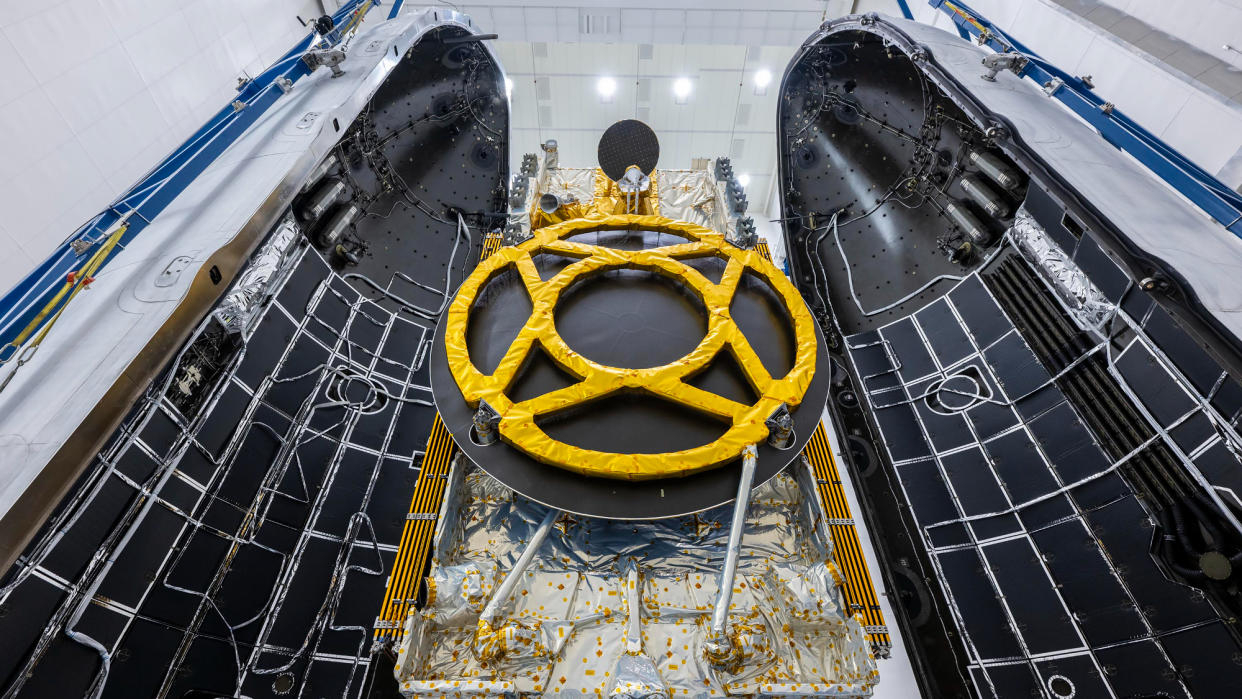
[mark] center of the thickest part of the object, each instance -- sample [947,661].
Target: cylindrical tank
[322,199]
[983,195]
[321,170]
[970,225]
[995,168]
[332,231]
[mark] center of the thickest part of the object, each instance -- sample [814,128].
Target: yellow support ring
[518,421]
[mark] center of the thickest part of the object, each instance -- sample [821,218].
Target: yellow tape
[71,288]
[859,590]
[415,544]
[518,421]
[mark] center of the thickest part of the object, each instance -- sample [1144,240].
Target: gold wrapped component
[609,199]
[518,425]
[605,200]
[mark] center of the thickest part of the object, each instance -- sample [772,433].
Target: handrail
[1211,195]
[142,202]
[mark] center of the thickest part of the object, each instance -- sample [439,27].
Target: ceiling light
[681,89]
[606,87]
[763,78]
[743,179]
[509,88]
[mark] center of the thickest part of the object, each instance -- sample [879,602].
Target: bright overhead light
[606,87]
[681,89]
[743,179]
[763,77]
[509,88]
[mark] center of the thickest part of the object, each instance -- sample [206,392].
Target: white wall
[1195,120]
[1207,24]
[93,93]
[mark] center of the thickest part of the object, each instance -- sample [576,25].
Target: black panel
[1104,273]
[946,336]
[1162,396]
[1208,660]
[1140,670]
[986,622]
[984,320]
[1190,358]
[202,575]
[1103,571]
[913,359]
[1041,617]
[1125,531]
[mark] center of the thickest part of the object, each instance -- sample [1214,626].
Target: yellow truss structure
[518,421]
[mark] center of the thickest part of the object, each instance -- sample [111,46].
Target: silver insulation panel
[1084,303]
[564,631]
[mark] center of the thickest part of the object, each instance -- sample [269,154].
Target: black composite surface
[272,525]
[1053,512]
[1044,549]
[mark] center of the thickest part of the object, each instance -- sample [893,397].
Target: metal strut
[485,642]
[721,649]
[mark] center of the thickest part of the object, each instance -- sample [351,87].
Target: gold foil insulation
[605,198]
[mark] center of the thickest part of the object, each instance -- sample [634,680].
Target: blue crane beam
[158,188]
[1199,186]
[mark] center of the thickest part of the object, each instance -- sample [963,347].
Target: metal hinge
[422,515]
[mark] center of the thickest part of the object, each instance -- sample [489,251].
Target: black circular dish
[625,143]
[604,497]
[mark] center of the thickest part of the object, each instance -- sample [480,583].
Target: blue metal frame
[1199,186]
[154,192]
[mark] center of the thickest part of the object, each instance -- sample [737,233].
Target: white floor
[896,672]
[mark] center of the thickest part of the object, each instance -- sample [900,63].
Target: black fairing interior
[1035,488]
[251,519]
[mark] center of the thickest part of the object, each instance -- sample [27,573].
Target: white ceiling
[555,55]
[95,92]
[554,96]
[777,24]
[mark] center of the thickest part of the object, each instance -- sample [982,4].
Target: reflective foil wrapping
[694,196]
[563,630]
[575,183]
[637,678]
[235,311]
[683,195]
[1089,308]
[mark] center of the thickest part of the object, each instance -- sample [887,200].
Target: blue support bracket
[1199,186]
[163,183]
